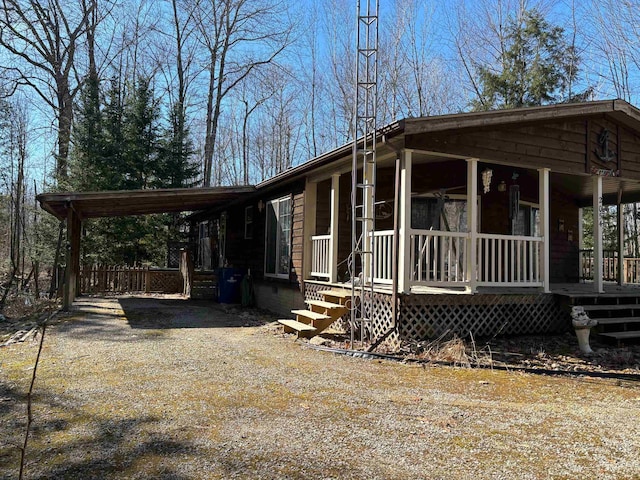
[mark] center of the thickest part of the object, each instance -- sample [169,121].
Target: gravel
[165,388]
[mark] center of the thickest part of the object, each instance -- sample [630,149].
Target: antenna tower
[363,184]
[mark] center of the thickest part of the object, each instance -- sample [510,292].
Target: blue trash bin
[230,284]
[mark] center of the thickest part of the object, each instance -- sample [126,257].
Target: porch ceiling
[139,202]
[580,187]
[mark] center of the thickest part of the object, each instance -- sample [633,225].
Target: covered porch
[474,226]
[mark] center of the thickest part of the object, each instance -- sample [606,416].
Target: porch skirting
[429,316]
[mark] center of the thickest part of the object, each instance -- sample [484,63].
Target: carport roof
[139,202]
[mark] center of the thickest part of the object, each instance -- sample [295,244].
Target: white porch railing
[320,258]
[383,256]
[438,258]
[509,260]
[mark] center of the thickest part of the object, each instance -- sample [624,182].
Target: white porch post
[621,275]
[543,198]
[597,235]
[404,251]
[472,202]
[333,245]
[309,225]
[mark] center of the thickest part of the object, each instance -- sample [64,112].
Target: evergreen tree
[176,168]
[141,137]
[87,163]
[537,66]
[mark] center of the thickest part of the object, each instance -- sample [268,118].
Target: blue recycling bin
[230,284]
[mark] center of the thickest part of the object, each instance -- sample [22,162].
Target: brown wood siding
[563,252]
[297,238]
[559,146]
[630,154]
[323,208]
[249,253]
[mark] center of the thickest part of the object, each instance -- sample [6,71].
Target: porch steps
[320,315]
[204,285]
[618,316]
[291,326]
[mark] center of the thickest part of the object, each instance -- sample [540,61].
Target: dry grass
[205,393]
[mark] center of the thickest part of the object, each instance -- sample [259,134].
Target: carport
[75,207]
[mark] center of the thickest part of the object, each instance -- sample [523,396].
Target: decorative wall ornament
[487,173]
[603,152]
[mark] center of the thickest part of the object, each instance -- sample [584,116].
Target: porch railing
[383,256]
[631,266]
[509,259]
[441,258]
[438,257]
[320,258]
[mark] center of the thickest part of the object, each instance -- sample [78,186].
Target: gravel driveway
[172,389]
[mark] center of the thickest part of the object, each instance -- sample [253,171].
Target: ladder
[363,189]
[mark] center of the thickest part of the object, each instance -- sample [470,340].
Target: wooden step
[619,320]
[323,304]
[599,308]
[336,293]
[302,329]
[310,315]
[630,335]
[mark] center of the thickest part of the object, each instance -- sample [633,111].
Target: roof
[139,202]
[619,110]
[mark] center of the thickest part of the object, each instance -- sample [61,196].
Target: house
[478,224]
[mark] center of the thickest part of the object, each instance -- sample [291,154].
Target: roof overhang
[619,110]
[139,202]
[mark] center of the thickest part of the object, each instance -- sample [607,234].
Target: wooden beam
[334,219]
[597,235]
[472,209]
[544,203]
[72,275]
[309,227]
[620,212]
[404,267]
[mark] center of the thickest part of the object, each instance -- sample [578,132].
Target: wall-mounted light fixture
[502,186]
[260,206]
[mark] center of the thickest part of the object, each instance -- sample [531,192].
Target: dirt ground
[173,389]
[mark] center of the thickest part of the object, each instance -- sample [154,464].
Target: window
[528,221]
[278,238]
[248,223]
[448,213]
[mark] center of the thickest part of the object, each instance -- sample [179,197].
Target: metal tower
[363,189]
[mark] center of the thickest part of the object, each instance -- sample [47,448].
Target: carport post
[72,276]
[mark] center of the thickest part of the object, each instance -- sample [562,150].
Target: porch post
[310,202]
[472,202]
[72,272]
[543,199]
[333,245]
[404,251]
[597,235]
[620,211]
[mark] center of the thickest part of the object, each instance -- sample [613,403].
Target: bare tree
[42,37]
[239,36]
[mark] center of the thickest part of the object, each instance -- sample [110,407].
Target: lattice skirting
[166,282]
[430,316]
[422,317]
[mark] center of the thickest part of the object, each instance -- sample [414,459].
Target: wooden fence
[121,279]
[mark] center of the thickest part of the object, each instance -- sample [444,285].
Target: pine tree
[536,67]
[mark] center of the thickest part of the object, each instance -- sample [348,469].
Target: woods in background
[111,94]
